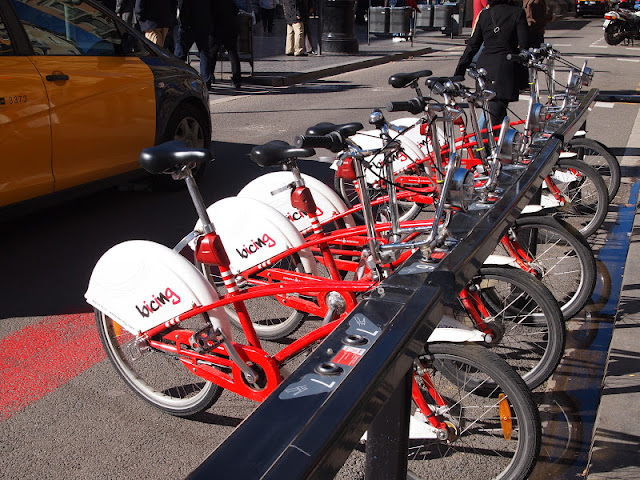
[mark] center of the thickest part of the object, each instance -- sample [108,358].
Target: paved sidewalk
[615,452]
[273,68]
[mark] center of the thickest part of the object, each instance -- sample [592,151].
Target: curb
[301,77]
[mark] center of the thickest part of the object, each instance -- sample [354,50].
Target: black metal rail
[309,425]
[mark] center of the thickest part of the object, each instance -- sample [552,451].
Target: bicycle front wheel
[598,156]
[585,195]
[495,436]
[158,377]
[561,257]
[527,324]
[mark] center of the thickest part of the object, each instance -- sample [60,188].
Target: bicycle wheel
[585,195]
[561,257]
[159,378]
[495,437]
[598,156]
[271,319]
[527,324]
[349,193]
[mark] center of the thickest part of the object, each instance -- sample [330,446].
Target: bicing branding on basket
[158,302]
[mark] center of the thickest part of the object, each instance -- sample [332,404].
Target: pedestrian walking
[224,34]
[267,14]
[155,18]
[538,15]
[294,13]
[502,28]
[125,10]
[195,25]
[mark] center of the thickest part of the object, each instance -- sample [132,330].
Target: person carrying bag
[503,29]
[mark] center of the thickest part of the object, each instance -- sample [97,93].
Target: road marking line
[604,104]
[39,358]
[635,60]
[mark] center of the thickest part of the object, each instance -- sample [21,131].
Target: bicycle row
[288,248]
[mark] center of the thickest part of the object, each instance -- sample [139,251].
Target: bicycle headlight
[587,76]
[539,114]
[512,146]
[462,190]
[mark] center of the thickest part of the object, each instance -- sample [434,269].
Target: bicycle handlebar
[523,57]
[413,106]
[332,141]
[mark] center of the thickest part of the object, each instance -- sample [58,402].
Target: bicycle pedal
[204,340]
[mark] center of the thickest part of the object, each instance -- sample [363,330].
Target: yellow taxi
[82,93]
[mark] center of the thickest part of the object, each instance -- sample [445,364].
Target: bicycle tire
[480,450]
[598,156]
[157,377]
[349,194]
[562,258]
[529,331]
[585,193]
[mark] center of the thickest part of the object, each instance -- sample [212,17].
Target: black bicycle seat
[401,80]
[171,156]
[278,152]
[344,129]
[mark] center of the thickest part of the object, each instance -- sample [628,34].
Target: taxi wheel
[189,124]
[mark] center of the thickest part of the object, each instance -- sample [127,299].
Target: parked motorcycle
[621,24]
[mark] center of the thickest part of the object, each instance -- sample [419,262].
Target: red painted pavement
[39,358]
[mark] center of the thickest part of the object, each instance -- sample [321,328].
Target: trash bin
[424,18]
[442,15]
[400,20]
[338,27]
[379,19]
[454,25]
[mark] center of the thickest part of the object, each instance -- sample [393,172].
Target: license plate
[606,23]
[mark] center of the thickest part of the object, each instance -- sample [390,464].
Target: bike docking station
[359,378]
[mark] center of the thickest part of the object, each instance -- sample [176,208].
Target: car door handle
[56,77]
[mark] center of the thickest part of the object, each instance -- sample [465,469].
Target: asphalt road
[64,413]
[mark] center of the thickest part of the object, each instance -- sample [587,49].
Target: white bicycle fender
[529,209]
[327,200]
[253,232]
[451,330]
[370,140]
[500,260]
[142,284]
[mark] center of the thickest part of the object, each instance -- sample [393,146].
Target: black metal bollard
[338,26]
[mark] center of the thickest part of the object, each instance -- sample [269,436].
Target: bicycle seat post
[198,203]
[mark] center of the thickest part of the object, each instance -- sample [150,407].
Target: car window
[73,27]
[5,42]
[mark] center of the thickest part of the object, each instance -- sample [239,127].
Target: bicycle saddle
[172,155]
[401,80]
[277,152]
[345,129]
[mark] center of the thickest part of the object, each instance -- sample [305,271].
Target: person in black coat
[502,28]
[195,25]
[155,18]
[224,33]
